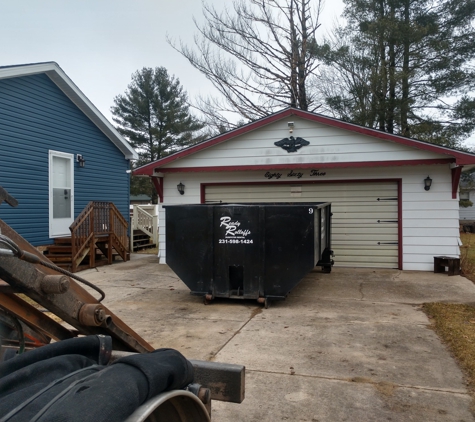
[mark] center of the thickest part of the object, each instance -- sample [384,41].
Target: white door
[61,193]
[365,215]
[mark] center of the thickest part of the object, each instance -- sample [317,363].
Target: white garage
[384,213]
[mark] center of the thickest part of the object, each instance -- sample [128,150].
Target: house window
[464,195]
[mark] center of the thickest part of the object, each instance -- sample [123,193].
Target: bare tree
[257,56]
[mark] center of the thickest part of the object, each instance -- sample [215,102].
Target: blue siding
[35,117]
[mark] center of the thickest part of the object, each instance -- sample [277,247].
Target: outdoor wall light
[290,125]
[181,188]
[81,160]
[427,183]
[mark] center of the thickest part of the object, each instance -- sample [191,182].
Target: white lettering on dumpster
[232,229]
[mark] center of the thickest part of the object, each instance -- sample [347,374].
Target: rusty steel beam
[29,278]
[33,317]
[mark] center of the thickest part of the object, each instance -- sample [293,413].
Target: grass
[467,255]
[455,323]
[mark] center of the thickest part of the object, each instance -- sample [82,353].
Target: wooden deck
[98,236]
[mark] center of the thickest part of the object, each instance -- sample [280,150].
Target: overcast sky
[100,43]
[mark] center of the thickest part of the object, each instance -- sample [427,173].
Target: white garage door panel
[364,222]
[383,215]
[363,231]
[370,222]
[362,239]
[387,251]
[360,261]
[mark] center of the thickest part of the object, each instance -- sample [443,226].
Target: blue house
[57,153]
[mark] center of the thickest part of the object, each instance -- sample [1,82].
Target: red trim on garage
[158,183]
[308,166]
[307,182]
[456,172]
[460,157]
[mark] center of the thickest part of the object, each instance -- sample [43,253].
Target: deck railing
[98,222]
[145,221]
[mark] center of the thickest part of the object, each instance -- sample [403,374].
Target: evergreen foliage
[404,67]
[153,114]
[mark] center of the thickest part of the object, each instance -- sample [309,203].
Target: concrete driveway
[352,345]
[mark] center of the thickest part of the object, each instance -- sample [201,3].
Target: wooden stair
[98,232]
[60,253]
[142,241]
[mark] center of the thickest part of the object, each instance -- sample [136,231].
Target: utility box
[247,251]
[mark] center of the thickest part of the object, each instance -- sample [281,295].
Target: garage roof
[459,158]
[65,84]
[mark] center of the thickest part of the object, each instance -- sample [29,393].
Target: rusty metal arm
[64,297]
[33,317]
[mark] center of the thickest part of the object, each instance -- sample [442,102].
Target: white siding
[429,218]
[327,145]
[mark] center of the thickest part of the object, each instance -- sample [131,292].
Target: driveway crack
[255,312]
[361,291]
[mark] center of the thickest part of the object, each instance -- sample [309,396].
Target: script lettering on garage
[294,174]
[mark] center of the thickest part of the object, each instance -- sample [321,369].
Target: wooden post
[111,232]
[92,244]
[73,251]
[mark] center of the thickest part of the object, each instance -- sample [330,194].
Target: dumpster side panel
[189,237]
[289,247]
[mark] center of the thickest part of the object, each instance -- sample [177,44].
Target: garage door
[365,215]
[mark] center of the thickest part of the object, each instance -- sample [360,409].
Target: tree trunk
[392,78]
[383,82]
[303,102]
[294,55]
[405,74]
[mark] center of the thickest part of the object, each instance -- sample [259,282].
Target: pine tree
[153,114]
[405,67]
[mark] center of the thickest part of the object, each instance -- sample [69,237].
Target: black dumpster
[247,251]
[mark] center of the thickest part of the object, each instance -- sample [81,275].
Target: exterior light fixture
[427,183]
[81,160]
[290,125]
[181,188]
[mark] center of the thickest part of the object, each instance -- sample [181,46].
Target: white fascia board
[57,75]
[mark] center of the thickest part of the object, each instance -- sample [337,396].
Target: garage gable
[299,139]
[314,143]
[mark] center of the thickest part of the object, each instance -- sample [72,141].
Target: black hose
[34,259]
